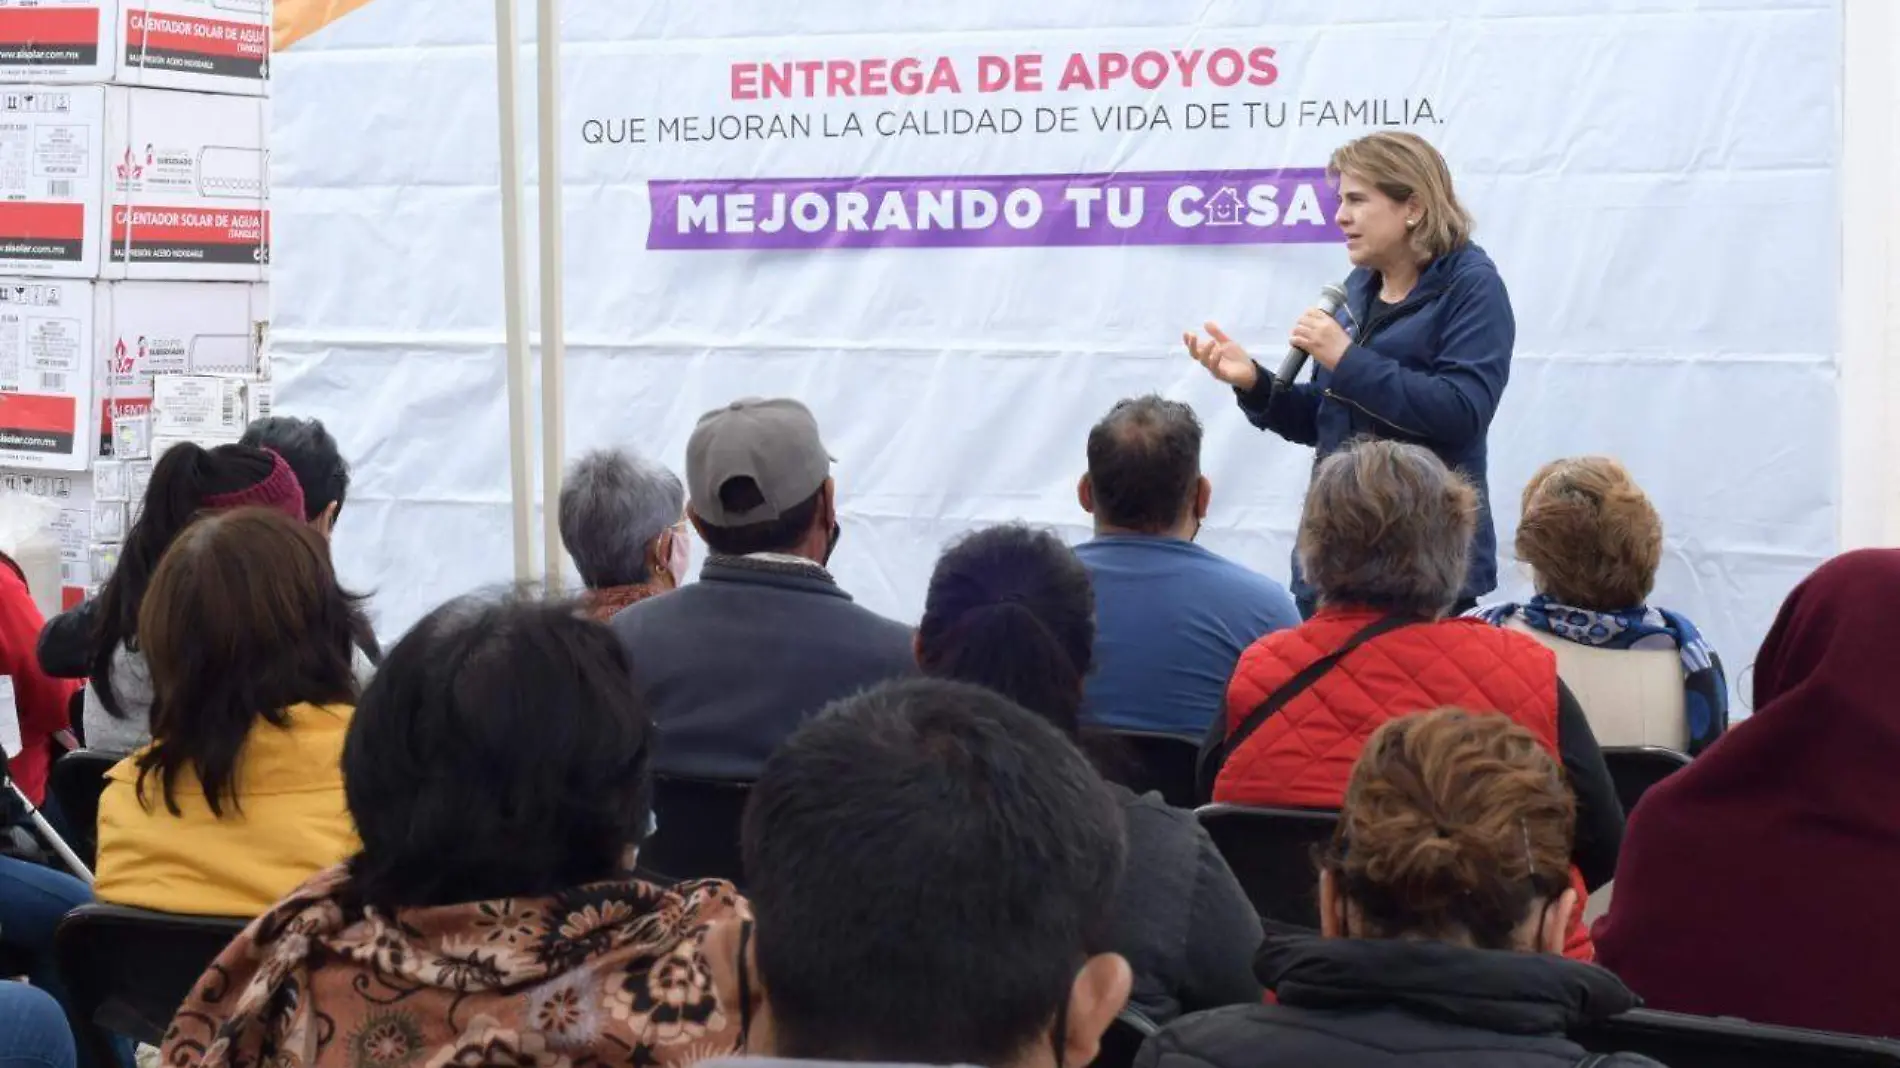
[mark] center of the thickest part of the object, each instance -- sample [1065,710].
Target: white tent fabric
[1657,180]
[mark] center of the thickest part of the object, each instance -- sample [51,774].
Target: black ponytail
[181,480]
[1010,608]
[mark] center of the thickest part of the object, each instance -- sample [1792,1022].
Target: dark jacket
[1430,371]
[65,645]
[1372,1003]
[1181,918]
[732,664]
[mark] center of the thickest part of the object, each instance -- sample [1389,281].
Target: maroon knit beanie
[280,491]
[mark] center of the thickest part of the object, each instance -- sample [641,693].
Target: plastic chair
[77,780]
[1681,1041]
[698,833]
[1123,1039]
[1637,768]
[1271,853]
[1159,762]
[127,970]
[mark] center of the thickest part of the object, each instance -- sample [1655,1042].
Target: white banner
[961,230]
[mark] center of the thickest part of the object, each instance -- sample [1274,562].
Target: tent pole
[514,291]
[553,325]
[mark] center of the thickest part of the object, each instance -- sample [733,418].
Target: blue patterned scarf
[1704,687]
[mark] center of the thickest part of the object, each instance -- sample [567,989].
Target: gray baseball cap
[772,442]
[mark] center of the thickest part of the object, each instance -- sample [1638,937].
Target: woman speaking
[1420,350]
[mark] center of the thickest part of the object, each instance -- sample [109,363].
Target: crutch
[46,832]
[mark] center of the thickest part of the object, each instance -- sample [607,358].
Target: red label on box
[49,26]
[36,423]
[194,45]
[31,230]
[190,235]
[111,410]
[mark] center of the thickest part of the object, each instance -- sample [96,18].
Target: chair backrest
[1635,770]
[1271,853]
[1123,1039]
[1632,697]
[1160,762]
[1681,1041]
[77,780]
[127,970]
[698,832]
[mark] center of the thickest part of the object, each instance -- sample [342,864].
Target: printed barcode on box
[52,383]
[231,415]
[62,188]
[68,574]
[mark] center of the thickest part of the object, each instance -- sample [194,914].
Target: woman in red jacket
[40,701]
[1384,539]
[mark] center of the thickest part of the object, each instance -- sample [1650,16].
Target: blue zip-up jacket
[1429,371]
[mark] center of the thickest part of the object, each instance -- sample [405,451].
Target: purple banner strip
[1236,207]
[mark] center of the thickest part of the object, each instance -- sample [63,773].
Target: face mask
[679,557]
[831,540]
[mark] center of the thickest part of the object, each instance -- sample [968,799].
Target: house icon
[1224,208]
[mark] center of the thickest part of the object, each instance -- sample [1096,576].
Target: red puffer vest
[1302,756]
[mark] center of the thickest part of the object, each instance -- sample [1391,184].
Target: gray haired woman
[1385,539]
[623,522]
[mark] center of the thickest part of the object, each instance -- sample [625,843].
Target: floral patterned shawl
[611,973]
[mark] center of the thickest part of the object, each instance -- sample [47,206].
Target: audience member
[238,798]
[1443,900]
[1755,881]
[1384,540]
[312,453]
[42,704]
[933,871]
[498,772]
[732,664]
[1009,608]
[324,476]
[1593,542]
[1172,617]
[240,795]
[622,522]
[32,897]
[33,1029]
[99,639]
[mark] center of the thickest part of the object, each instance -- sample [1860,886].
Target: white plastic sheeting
[1657,180]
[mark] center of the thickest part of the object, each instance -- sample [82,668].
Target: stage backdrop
[961,229]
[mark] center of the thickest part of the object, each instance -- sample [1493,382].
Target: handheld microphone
[1330,299]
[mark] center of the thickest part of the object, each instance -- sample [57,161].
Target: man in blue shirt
[1172,618]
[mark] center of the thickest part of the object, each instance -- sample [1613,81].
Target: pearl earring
[1409,223]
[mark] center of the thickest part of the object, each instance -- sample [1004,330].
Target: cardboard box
[209,46]
[109,182]
[148,329]
[46,372]
[70,349]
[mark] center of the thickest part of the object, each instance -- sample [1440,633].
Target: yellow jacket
[290,822]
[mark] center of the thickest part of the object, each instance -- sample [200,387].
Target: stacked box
[78,366]
[134,247]
[206,46]
[108,182]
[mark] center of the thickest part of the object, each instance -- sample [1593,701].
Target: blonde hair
[1454,826]
[1403,166]
[1590,534]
